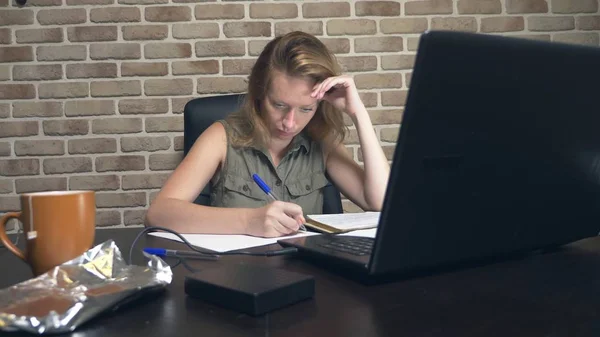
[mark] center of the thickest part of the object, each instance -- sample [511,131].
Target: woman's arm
[173,207]
[365,187]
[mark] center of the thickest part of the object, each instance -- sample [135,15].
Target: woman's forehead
[291,90]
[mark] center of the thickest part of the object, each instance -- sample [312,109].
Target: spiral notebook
[342,223]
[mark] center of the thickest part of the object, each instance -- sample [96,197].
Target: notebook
[342,223]
[498,154]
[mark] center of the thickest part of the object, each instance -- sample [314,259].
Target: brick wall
[92,91]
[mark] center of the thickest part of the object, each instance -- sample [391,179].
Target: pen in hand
[263,186]
[180,253]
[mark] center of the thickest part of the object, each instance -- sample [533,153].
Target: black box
[254,290]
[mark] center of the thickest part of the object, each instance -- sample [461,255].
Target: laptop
[498,154]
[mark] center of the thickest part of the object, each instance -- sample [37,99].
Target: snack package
[78,290]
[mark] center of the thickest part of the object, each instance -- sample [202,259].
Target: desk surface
[552,294]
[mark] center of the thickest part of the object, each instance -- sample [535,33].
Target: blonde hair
[295,54]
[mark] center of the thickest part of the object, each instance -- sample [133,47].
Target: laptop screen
[498,152]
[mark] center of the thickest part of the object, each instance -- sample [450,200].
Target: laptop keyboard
[351,245]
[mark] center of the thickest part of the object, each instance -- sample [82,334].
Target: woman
[289,131]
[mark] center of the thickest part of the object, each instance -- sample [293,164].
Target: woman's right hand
[278,218]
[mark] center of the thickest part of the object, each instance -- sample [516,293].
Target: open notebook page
[224,242]
[348,221]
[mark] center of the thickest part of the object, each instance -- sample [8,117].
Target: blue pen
[179,253]
[263,186]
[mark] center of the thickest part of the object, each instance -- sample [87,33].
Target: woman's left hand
[341,92]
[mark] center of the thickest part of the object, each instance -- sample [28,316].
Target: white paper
[225,242]
[345,221]
[366,233]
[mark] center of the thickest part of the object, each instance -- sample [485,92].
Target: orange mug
[58,226]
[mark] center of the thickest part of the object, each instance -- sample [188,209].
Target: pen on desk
[179,253]
[263,186]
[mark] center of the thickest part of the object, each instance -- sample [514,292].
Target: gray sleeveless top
[299,177]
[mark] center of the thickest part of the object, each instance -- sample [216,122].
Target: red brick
[89,108]
[238,66]
[337,45]
[95,182]
[92,33]
[116,125]
[65,127]
[164,124]
[197,67]
[479,7]
[550,23]
[386,80]
[29,185]
[397,62]
[89,2]
[92,145]
[37,109]
[17,91]
[115,14]
[42,35]
[164,161]
[120,163]
[465,24]
[64,90]
[116,88]
[175,87]
[119,199]
[16,54]
[588,22]
[113,218]
[378,44]
[403,25]
[325,9]
[574,6]
[117,51]
[219,11]
[61,16]
[42,3]
[222,85]
[5,36]
[144,106]
[427,7]
[37,72]
[150,144]
[220,48]
[167,50]
[587,38]
[358,63]
[351,27]
[45,147]
[18,129]
[145,32]
[247,29]
[202,30]
[526,6]
[19,167]
[11,17]
[67,165]
[377,8]
[178,104]
[135,217]
[310,27]
[502,24]
[168,13]
[91,70]
[62,53]
[144,69]
[273,11]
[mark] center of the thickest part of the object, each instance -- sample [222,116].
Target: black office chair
[200,113]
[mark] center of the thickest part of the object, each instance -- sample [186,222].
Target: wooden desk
[554,294]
